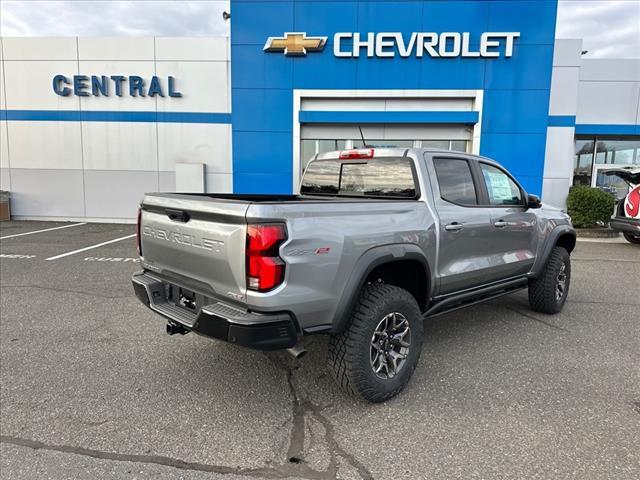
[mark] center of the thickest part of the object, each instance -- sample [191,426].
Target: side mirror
[533,201]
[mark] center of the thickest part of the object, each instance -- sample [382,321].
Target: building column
[563,106]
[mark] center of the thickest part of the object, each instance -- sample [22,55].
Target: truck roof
[401,152]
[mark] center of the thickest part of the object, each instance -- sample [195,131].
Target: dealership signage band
[102,85]
[387,44]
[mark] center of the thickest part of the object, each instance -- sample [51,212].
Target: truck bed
[266,199]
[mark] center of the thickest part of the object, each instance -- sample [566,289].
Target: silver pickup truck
[376,241]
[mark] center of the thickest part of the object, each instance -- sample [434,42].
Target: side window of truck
[455,181]
[502,190]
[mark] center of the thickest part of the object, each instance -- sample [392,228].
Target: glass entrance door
[609,183]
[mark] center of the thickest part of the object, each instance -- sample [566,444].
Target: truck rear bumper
[625,225]
[262,331]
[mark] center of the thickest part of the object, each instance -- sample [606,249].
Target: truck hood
[551,208]
[630,174]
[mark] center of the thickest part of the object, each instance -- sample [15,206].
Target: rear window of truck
[387,177]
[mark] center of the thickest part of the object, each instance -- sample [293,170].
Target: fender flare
[367,262]
[550,242]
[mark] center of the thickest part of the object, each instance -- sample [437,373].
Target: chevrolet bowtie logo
[295,44]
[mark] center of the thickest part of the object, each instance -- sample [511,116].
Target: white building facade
[594,112]
[92,156]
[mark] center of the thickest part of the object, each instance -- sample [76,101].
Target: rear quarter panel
[326,239]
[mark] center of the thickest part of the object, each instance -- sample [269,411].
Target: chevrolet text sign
[390,44]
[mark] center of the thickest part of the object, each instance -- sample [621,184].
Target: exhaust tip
[297,352]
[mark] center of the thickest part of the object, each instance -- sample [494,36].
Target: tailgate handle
[177,215]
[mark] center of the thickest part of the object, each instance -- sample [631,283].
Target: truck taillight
[265,268]
[138,239]
[357,153]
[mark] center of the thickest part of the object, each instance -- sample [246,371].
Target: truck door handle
[177,215]
[500,224]
[453,227]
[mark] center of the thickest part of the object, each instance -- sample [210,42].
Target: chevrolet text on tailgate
[376,241]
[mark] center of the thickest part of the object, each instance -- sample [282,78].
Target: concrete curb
[596,233]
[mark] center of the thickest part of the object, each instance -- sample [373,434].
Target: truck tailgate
[196,240]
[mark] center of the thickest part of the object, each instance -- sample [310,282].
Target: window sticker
[498,186]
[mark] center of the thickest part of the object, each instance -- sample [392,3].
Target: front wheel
[635,239]
[376,355]
[548,292]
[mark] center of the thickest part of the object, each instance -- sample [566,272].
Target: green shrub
[588,206]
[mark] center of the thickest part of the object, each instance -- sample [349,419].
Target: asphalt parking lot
[92,387]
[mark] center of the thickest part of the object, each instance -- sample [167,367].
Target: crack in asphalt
[294,466]
[147,459]
[65,290]
[296,440]
[302,410]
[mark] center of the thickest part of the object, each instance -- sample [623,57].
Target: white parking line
[89,248]
[112,259]
[45,230]
[16,255]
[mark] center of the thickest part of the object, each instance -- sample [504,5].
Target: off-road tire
[542,289]
[349,352]
[632,238]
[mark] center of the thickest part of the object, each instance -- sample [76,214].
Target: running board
[483,294]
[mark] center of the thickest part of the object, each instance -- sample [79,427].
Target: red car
[627,214]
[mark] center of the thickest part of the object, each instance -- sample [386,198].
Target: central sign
[103,85]
[388,44]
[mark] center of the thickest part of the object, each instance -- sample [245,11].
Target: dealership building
[88,124]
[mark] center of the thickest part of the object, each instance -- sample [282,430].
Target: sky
[609,28]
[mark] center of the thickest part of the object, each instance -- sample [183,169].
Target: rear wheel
[376,355]
[635,239]
[548,292]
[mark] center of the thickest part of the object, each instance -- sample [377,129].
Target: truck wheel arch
[567,241]
[562,236]
[385,258]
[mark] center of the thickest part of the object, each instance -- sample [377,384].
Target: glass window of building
[384,143]
[330,145]
[612,184]
[455,145]
[617,152]
[458,145]
[583,163]
[307,151]
[444,144]
[594,154]
[309,147]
